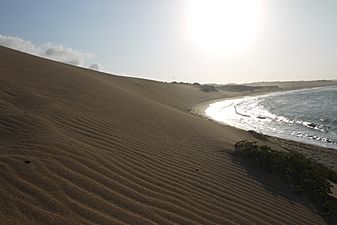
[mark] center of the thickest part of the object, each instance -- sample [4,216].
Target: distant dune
[83,147]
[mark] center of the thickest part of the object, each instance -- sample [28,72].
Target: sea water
[308,115]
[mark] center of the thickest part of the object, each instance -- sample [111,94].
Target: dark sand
[81,147]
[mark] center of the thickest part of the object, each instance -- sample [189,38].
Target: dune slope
[82,147]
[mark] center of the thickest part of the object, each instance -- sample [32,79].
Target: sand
[83,147]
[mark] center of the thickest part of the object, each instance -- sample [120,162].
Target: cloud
[96,66]
[63,54]
[48,50]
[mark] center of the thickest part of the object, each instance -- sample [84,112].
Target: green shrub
[304,175]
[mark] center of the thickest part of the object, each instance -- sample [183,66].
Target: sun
[222,26]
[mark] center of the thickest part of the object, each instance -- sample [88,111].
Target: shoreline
[325,155]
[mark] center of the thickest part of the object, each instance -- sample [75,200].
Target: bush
[304,175]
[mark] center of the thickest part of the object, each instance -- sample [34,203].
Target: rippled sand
[81,147]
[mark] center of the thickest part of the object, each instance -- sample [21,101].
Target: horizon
[233,42]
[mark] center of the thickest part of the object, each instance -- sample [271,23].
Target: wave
[259,112]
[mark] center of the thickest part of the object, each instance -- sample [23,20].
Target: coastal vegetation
[305,176]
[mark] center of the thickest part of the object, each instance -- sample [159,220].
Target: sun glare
[222,26]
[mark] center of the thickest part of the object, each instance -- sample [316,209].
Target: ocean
[308,115]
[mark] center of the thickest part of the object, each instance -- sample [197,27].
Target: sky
[206,41]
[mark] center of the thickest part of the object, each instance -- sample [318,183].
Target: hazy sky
[192,40]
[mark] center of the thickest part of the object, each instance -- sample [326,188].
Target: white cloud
[63,54]
[96,66]
[48,50]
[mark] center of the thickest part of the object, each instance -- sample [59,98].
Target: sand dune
[81,147]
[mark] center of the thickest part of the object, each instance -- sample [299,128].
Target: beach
[83,147]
